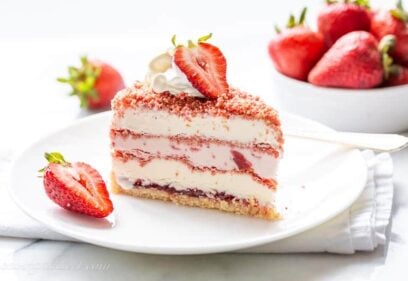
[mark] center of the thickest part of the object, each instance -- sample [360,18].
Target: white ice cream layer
[175,174]
[162,123]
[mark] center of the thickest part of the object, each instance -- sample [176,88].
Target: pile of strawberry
[354,47]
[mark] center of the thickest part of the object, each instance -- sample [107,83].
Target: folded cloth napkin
[360,228]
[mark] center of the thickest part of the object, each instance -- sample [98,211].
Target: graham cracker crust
[252,209]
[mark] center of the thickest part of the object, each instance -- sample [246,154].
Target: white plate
[317,180]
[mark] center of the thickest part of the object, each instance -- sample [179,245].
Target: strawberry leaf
[302,16]
[386,45]
[205,37]
[362,3]
[173,40]
[54,157]
[399,12]
[190,43]
[82,80]
[292,22]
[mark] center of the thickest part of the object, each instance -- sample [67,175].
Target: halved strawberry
[204,66]
[76,187]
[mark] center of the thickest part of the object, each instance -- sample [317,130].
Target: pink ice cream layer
[221,156]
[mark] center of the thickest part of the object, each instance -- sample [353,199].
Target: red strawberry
[204,66]
[295,50]
[337,19]
[393,22]
[401,78]
[76,187]
[354,61]
[95,83]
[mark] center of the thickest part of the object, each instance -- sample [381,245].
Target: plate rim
[169,250]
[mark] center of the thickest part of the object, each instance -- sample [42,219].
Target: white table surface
[39,38]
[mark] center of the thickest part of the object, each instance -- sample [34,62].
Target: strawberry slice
[204,66]
[76,187]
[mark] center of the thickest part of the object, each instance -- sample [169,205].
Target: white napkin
[361,228]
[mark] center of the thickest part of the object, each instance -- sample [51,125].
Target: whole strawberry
[76,186]
[355,61]
[399,78]
[204,66]
[393,22]
[339,18]
[95,83]
[296,49]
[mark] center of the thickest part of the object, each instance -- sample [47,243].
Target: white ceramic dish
[317,180]
[382,110]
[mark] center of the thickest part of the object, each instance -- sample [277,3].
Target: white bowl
[381,110]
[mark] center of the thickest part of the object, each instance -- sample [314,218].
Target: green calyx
[362,3]
[293,22]
[399,12]
[82,80]
[54,157]
[387,44]
[190,43]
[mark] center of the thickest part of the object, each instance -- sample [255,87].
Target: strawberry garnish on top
[296,49]
[355,61]
[393,22]
[204,66]
[76,186]
[95,83]
[338,18]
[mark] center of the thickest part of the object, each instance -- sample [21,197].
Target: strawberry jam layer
[198,152]
[192,192]
[195,192]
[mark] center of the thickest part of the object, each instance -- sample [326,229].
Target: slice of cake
[185,136]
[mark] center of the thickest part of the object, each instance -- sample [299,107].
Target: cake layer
[242,207]
[199,152]
[235,116]
[177,175]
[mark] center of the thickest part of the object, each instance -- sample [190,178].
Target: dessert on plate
[184,135]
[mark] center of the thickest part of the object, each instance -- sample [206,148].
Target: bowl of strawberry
[351,73]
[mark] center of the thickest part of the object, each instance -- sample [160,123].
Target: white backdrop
[38,39]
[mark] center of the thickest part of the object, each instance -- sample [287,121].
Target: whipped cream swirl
[165,76]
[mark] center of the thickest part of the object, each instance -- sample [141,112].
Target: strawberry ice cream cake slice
[185,136]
